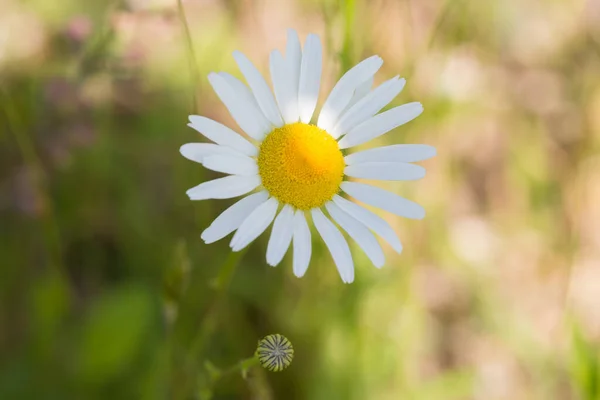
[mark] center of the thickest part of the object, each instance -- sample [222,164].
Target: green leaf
[114,332]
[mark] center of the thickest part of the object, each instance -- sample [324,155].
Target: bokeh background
[107,291]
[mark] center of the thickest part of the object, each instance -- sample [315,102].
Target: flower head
[296,168]
[275,352]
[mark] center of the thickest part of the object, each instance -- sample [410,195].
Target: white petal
[198,151]
[228,164]
[302,244]
[230,219]
[255,224]
[371,220]
[380,124]
[383,199]
[359,233]
[385,171]
[281,235]
[342,92]
[259,87]
[368,106]
[337,245]
[393,153]
[224,188]
[310,77]
[241,104]
[361,91]
[221,134]
[285,91]
[293,60]
[249,101]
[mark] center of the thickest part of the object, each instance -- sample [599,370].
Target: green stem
[349,7]
[327,19]
[227,270]
[210,320]
[207,385]
[193,65]
[241,366]
[197,352]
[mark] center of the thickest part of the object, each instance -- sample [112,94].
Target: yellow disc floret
[301,165]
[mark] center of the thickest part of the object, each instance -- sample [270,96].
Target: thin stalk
[208,324]
[193,64]
[210,320]
[347,55]
[241,367]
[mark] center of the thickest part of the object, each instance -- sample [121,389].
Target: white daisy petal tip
[261,91]
[380,124]
[241,104]
[281,236]
[380,198]
[336,243]
[204,237]
[212,75]
[224,188]
[358,232]
[230,219]
[368,106]
[186,151]
[371,220]
[348,278]
[275,54]
[254,225]
[343,91]
[302,244]
[402,83]
[310,77]
[208,236]
[285,84]
[375,60]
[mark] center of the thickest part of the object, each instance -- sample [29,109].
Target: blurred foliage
[107,291]
[585,365]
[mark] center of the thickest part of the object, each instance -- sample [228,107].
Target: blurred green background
[107,291]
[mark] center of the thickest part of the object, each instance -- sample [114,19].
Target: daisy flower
[296,168]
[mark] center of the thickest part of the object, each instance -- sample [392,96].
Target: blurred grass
[585,365]
[105,283]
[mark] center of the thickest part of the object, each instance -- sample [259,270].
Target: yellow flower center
[301,165]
